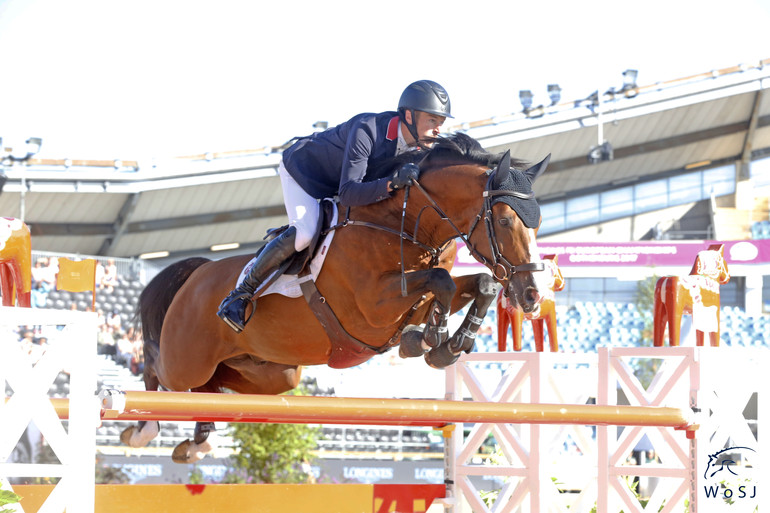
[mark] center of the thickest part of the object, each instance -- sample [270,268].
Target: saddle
[295,264]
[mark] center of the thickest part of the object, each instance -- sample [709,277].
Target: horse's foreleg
[674,313]
[6,282]
[659,318]
[553,338]
[503,321]
[483,289]
[517,321]
[415,342]
[22,297]
[539,335]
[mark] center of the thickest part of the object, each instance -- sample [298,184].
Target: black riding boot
[233,308]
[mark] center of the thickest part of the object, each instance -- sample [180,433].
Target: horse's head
[723,460]
[711,263]
[508,244]
[556,280]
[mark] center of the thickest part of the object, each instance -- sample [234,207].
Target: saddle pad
[289,285]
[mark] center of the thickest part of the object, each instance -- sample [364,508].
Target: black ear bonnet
[527,209]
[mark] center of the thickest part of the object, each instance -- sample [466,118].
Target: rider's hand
[404,176]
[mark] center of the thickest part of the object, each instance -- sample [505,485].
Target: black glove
[404,176]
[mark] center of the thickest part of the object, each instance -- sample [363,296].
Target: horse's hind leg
[503,321]
[144,431]
[483,290]
[245,375]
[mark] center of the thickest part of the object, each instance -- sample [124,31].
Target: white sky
[141,78]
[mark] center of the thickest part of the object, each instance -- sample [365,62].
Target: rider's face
[428,125]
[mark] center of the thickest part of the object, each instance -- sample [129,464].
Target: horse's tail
[154,302]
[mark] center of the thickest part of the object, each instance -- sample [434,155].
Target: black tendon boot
[233,308]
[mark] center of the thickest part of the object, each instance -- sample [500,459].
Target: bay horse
[696,295]
[385,274]
[508,314]
[15,262]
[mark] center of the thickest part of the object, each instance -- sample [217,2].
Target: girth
[347,351]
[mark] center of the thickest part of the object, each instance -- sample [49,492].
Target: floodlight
[629,79]
[33,146]
[525,97]
[601,153]
[554,91]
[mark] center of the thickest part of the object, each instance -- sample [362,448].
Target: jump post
[511,405]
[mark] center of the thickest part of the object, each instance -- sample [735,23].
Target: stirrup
[228,301]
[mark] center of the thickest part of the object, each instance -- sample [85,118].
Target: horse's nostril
[531,295]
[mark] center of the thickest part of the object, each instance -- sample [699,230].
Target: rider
[335,162]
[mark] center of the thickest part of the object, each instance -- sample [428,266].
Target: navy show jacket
[335,161]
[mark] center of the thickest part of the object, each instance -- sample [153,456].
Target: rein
[499,261]
[500,266]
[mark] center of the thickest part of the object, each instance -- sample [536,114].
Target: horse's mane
[457,148]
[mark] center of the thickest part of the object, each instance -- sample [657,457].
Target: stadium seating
[760,229]
[123,299]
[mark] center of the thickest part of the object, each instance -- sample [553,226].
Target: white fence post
[71,348]
[720,381]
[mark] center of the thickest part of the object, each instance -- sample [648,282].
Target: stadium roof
[186,205]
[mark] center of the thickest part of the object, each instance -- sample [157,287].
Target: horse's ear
[503,171]
[718,247]
[537,169]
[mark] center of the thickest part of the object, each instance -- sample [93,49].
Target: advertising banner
[640,254]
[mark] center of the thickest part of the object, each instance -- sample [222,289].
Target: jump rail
[207,407]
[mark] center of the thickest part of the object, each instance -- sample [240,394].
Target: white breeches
[303,209]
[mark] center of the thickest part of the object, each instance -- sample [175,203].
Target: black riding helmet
[426,96]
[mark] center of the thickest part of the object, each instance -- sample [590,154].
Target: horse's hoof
[441,357]
[411,342]
[139,435]
[190,452]
[127,434]
[181,453]
[459,344]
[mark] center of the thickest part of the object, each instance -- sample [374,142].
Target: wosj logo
[729,475]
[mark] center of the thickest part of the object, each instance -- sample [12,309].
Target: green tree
[645,302]
[107,474]
[273,453]
[7,497]
[646,369]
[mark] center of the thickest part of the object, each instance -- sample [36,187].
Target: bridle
[499,262]
[502,269]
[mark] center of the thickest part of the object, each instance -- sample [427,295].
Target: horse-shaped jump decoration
[15,262]
[696,295]
[385,273]
[508,314]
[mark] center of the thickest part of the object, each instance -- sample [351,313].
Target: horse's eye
[504,221]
